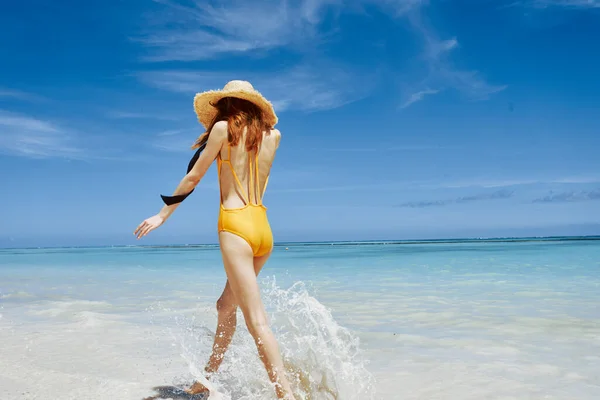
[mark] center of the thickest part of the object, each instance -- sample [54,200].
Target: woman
[240,136]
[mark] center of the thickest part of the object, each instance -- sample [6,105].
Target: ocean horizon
[499,239]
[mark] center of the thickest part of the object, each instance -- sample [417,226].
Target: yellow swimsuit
[250,221]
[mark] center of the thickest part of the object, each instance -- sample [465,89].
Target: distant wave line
[212,246]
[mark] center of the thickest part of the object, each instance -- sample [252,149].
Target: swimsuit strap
[253,179]
[250,181]
[219,164]
[258,200]
[245,198]
[257,190]
[256,185]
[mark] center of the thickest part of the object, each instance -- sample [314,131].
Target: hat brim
[206,112]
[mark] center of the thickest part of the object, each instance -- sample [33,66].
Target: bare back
[241,161]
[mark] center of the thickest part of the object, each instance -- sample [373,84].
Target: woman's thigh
[239,265]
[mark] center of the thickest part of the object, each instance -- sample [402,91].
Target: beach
[442,320]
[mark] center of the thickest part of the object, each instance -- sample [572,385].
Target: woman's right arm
[218,135]
[213,146]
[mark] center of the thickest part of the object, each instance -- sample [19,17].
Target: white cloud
[572,196]
[418,96]
[196,30]
[333,188]
[488,183]
[172,132]
[30,137]
[136,115]
[578,179]
[469,83]
[18,94]
[565,3]
[303,88]
[550,4]
[383,148]
[26,123]
[441,74]
[176,140]
[499,183]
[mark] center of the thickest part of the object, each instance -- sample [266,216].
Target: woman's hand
[148,225]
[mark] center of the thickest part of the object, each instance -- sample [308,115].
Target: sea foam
[324,360]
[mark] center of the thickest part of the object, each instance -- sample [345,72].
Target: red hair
[239,114]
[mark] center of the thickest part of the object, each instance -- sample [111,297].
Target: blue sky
[399,118]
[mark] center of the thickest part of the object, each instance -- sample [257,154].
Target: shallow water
[380,321]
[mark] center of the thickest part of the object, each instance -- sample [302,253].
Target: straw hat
[239,89]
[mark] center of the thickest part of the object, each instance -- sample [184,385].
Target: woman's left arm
[213,146]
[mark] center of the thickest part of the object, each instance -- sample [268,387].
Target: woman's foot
[196,388]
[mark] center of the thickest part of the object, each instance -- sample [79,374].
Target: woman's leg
[240,269]
[226,325]
[227,320]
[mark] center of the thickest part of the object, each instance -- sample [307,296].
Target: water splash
[323,359]
[324,356]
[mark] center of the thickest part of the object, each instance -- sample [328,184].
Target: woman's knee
[225,305]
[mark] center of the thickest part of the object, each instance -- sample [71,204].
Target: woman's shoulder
[275,132]
[276,136]
[219,129]
[220,126]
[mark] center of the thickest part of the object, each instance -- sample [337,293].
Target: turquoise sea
[453,320]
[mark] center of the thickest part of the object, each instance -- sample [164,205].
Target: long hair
[239,114]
